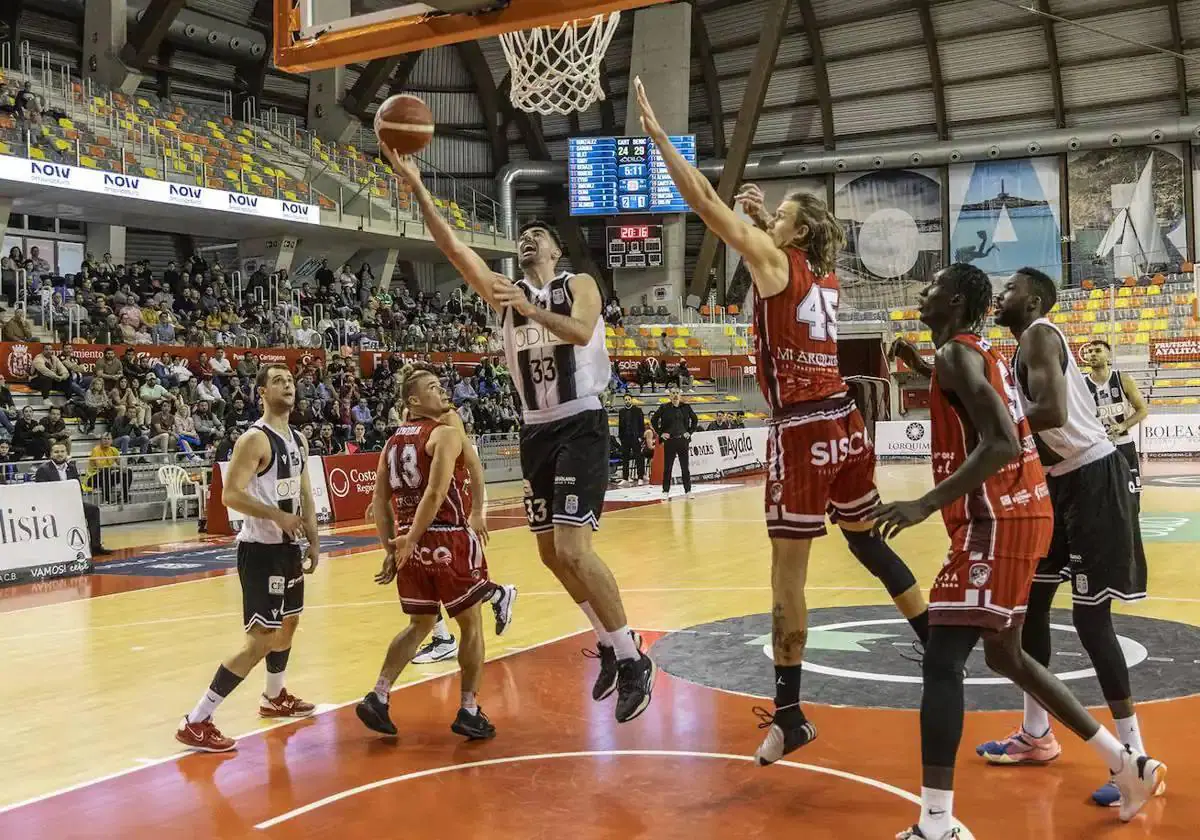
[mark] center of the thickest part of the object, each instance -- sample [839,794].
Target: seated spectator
[18,328]
[8,408]
[8,470]
[361,413]
[162,427]
[161,368]
[185,433]
[306,336]
[464,393]
[683,376]
[164,330]
[208,427]
[329,443]
[105,462]
[220,366]
[358,440]
[128,435]
[95,406]
[109,369]
[650,372]
[207,390]
[152,390]
[60,469]
[55,427]
[240,415]
[50,374]
[224,450]
[378,435]
[30,440]
[612,312]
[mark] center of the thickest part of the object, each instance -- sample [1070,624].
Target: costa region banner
[16,357]
[903,438]
[351,483]
[223,520]
[1175,350]
[43,533]
[715,455]
[81,179]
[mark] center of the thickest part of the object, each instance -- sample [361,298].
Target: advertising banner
[351,483]
[902,438]
[16,358]
[43,533]
[80,179]
[1175,350]
[1170,434]
[700,366]
[716,455]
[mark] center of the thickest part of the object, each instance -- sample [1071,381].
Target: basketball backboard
[309,35]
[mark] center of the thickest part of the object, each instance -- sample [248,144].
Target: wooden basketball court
[98,672]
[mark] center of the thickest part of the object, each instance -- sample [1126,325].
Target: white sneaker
[437,650]
[502,607]
[1138,779]
[959,832]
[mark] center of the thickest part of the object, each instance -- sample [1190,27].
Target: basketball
[404,124]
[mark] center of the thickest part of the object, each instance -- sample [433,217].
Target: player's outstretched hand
[650,123]
[387,572]
[891,519]
[404,167]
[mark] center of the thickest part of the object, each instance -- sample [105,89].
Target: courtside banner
[715,455]
[903,438]
[16,357]
[43,533]
[1170,434]
[700,366]
[1175,350]
[61,175]
[351,483]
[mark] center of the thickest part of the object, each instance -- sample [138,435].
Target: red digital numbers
[635,232]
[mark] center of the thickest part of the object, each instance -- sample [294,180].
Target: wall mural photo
[893,223]
[1005,214]
[1127,212]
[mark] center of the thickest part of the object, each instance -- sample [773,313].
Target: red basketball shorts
[449,570]
[820,462]
[975,589]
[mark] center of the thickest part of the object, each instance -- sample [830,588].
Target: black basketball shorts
[565,467]
[1097,543]
[272,576]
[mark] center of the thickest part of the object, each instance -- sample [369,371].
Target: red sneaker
[285,705]
[203,736]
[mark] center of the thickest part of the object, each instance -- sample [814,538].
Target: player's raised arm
[578,327]
[768,264]
[471,266]
[1041,351]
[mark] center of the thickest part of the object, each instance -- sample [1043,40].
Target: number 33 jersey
[408,467]
[554,378]
[795,337]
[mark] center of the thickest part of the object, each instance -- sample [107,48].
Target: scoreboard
[634,246]
[614,175]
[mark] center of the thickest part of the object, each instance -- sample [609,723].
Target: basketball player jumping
[1097,541]
[996,507]
[431,552]
[554,341]
[267,482]
[820,457]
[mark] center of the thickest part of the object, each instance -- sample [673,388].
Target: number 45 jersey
[554,378]
[408,467]
[795,337]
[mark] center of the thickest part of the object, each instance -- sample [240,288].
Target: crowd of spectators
[201,304]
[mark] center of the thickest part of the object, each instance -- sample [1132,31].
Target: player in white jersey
[269,484]
[1096,543]
[554,340]
[1119,404]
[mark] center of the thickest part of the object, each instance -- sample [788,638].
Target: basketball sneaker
[1139,779]
[957,833]
[787,730]
[1109,795]
[203,736]
[635,683]
[373,712]
[1021,748]
[436,650]
[606,680]
[285,705]
[473,727]
[502,606]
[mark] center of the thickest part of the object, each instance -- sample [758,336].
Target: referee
[675,422]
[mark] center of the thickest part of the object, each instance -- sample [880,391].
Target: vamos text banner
[43,533]
[63,176]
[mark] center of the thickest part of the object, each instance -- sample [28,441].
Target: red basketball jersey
[795,337]
[1008,515]
[409,465]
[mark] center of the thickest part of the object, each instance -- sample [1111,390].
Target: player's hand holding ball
[404,125]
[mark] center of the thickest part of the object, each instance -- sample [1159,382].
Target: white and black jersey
[554,378]
[1111,404]
[278,485]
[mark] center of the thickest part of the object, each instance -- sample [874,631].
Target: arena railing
[501,456]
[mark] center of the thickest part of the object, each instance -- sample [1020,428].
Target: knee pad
[879,559]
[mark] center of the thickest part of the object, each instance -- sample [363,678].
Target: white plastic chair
[176,481]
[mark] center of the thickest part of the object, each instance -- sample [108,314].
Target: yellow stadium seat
[61,145]
[87,162]
[679,343]
[4,148]
[896,315]
[1088,317]
[36,153]
[66,123]
[1141,338]
[1097,294]
[1099,328]
[1124,292]
[1154,290]
[151,172]
[1094,305]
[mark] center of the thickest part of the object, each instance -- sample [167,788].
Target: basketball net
[557,71]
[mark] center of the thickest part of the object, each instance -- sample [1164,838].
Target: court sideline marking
[321,710]
[346,794]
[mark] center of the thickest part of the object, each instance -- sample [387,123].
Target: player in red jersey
[989,485]
[820,459]
[430,550]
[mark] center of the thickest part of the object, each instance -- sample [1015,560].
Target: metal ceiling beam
[490,104]
[368,84]
[935,68]
[1177,46]
[1060,102]
[149,31]
[812,31]
[774,18]
[712,88]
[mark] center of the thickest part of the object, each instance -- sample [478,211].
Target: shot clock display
[635,246]
[614,175]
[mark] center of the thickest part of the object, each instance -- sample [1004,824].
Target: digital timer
[634,232]
[635,246]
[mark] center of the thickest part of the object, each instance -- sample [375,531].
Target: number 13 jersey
[795,337]
[554,378]
[408,467]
